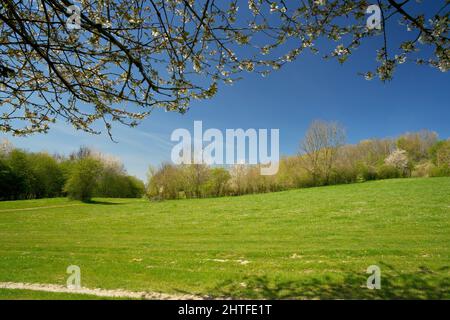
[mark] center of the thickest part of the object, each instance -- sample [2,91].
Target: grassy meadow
[306,243]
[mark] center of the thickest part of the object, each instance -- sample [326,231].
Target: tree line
[323,159]
[81,175]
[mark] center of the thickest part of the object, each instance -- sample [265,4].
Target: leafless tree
[319,148]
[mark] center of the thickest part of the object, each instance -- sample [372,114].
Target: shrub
[305,180]
[216,184]
[388,172]
[118,185]
[422,170]
[343,175]
[166,182]
[49,179]
[136,188]
[367,173]
[25,180]
[441,154]
[8,181]
[83,179]
[442,171]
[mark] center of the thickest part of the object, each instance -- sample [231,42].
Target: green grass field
[6,294]
[307,243]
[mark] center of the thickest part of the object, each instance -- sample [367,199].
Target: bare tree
[196,177]
[417,144]
[110,61]
[319,148]
[238,180]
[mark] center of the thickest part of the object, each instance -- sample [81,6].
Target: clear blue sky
[289,99]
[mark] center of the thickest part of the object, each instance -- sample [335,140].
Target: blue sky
[289,99]
[308,89]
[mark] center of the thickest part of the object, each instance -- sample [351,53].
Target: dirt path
[38,208]
[117,293]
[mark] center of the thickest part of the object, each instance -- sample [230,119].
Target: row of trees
[323,159]
[82,175]
[191,181]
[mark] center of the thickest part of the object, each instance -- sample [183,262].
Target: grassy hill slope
[308,243]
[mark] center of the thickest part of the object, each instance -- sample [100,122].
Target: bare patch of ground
[117,293]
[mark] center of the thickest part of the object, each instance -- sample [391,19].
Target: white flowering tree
[398,159]
[5,147]
[111,61]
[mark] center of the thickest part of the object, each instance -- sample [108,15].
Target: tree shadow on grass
[103,202]
[423,284]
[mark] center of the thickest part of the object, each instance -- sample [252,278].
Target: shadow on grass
[423,284]
[103,202]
